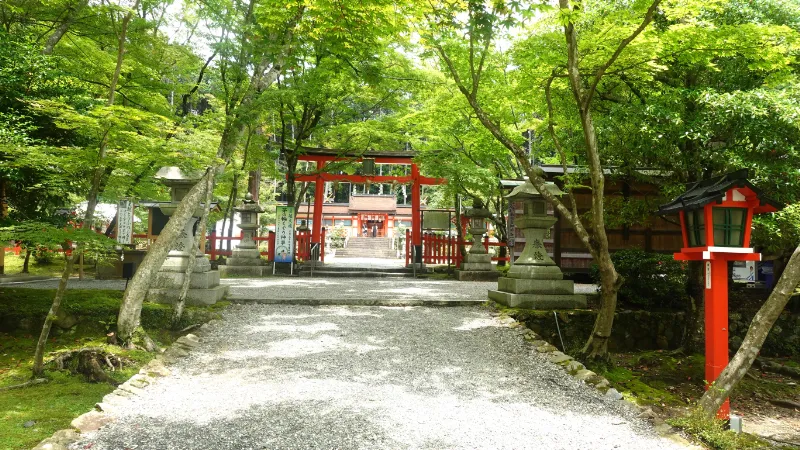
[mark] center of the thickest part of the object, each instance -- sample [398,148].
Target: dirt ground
[670,383]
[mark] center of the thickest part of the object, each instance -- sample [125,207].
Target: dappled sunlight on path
[370,377]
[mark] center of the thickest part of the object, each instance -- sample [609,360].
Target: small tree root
[33,382]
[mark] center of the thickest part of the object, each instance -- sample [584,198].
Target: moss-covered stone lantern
[534,280]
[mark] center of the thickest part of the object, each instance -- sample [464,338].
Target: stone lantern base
[204,287]
[539,289]
[477,267]
[243,262]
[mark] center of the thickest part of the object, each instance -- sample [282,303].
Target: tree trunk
[459,232]
[234,194]
[131,307]
[27,260]
[596,346]
[38,357]
[61,30]
[201,231]
[756,335]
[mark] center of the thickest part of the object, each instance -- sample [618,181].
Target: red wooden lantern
[716,217]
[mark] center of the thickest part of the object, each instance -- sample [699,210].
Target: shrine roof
[712,191]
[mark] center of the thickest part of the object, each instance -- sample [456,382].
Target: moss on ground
[54,404]
[715,434]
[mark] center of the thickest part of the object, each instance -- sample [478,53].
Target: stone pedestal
[245,259]
[477,267]
[477,264]
[535,281]
[204,287]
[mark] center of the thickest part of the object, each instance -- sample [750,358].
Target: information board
[125,222]
[435,220]
[284,234]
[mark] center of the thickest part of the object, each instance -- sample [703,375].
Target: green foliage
[777,232]
[652,280]
[46,237]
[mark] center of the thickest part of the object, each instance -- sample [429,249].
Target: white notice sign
[708,274]
[284,234]
[125,222]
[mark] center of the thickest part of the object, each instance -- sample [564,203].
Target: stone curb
[103,412]
[356,302]
[581,373]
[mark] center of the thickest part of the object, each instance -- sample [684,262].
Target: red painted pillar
[271,247]
[416,219]
[716,323]
[319,199]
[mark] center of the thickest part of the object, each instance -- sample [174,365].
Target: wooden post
[408,247]
[271,246]
[322,246]
[213,252]
[319,199]
[416,220]
[716,324]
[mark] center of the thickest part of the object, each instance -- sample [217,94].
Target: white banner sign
[284,234]
[125,222]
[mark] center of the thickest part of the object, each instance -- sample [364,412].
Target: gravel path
[297,377]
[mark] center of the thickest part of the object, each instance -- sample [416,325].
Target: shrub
[652,280]
[337,236]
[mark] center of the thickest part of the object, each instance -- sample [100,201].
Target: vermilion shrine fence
[441,249]
[302,245]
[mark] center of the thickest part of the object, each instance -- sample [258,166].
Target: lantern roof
[714,190]
[527,190]
[172,174]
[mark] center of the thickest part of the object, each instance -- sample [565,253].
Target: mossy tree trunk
[760,327]
[187,279]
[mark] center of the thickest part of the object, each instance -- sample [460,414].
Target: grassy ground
[13,266]
[52,406]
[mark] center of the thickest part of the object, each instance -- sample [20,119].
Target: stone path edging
[358,302]
[581,373]
[103,412]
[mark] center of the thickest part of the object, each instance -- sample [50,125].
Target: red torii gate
[325,156]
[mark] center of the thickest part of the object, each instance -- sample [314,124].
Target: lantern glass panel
[538,207]
[729,226]
[695,228]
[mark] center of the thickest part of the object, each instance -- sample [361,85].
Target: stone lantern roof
[528,190]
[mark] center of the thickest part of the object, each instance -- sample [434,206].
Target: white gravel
[302,377]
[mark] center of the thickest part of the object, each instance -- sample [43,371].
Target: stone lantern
[303,227]
[245,258]
[204,287]
[477,265]
[534,281]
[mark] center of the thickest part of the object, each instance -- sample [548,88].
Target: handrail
[414,259]
[314,257]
